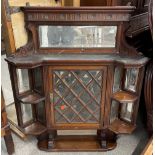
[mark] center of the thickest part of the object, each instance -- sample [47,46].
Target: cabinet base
[75,143]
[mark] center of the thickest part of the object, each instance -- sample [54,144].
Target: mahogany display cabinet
[80,75]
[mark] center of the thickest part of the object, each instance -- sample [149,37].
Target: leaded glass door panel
[77,95]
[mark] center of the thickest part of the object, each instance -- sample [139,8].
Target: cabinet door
[77,96]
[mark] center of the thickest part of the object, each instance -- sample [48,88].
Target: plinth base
[75,143]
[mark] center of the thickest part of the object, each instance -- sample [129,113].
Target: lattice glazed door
[77,95]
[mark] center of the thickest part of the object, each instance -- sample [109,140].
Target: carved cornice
[88,14]
[68,17]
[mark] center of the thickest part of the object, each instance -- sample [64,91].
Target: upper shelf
[35,60]
[124,97]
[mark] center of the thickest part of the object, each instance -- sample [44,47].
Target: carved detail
[24,50]
[78,14]
[67,17]
[27,49]
[125,48]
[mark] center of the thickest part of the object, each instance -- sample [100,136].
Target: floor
[126,145]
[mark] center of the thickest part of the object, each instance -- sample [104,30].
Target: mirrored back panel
[23,80]
[131,79]
[77,36]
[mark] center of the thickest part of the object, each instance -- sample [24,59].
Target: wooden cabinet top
[45,59]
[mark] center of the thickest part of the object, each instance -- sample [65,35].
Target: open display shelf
[122,109]
[31,98]
[35,129]
[124,97]
[120,127]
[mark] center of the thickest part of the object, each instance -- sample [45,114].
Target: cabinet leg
[51,138]
[9,143]
[46,141]
[106,137]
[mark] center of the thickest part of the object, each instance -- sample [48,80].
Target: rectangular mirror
[41,112]
[114,111]
[131,79]
[117,79]
[77,36]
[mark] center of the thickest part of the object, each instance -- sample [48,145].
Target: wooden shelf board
[124,97]
[119,126]
[31,98]
[75,143]
[35,129]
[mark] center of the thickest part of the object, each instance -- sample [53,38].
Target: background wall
[17,19]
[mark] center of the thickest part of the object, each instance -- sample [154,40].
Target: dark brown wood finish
[124,97]
[71,63]
[109,83]
[76,16]
[92,3]
[32,98]
[76,143]
[119,126]
[139,21]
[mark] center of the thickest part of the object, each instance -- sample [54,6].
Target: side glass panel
[117,79]
[41,112]
[11,113]
[77,36]
[126,111]
[23,80]
[122,111]
[131,79]
[26,112]
[114,111]
[38,79]
[77,96]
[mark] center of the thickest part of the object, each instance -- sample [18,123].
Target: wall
[17,19]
